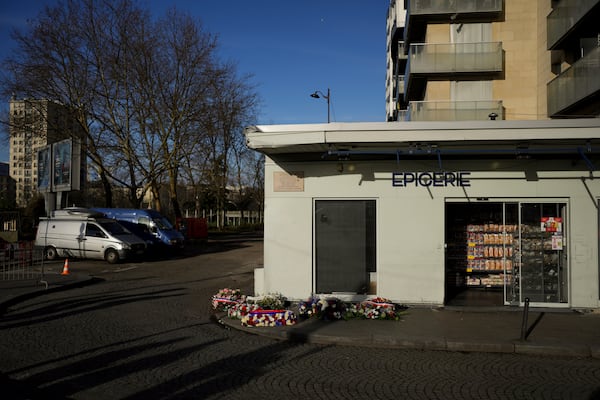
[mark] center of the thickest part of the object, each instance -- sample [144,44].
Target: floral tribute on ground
[378,308]
[272,309]
[328,309]
[269,318]
[331,308]
[226,298]
[266,310]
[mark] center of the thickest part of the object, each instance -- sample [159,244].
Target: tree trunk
[108,200]
[156,204]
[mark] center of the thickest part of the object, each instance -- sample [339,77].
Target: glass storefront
[504,252]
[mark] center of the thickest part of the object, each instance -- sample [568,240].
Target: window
[94,231]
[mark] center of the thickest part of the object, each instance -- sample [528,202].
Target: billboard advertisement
[44,169]
[62,157]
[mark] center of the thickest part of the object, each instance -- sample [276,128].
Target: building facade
[492,59]
[487,193]
[7,188]
[34,124]
[480,213]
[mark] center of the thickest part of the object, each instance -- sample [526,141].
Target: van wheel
[50,253]
[111,256]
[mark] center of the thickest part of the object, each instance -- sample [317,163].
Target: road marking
[125,269]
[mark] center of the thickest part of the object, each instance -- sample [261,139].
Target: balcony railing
[402,115]
[565,16]
[399,85]
[432,7]
[419,12]
[453,58]
[455,110]
[401,51]
[574,84]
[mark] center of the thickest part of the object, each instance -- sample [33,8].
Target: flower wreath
[324,308]
[377,308]
[269,318]
[227,298]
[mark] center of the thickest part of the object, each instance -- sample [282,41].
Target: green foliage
[272,302]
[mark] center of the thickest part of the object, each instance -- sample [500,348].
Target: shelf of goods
[540,264]
[490,254]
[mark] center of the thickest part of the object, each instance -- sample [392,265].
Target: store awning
[393,136]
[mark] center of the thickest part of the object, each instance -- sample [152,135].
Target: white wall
[410,223]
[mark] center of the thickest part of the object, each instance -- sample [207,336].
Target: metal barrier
[21,261]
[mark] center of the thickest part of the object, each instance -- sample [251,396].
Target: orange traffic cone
[66,267]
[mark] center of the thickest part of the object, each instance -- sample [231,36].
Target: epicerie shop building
[486,213]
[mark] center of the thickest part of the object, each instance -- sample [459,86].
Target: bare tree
[247,179]
[72,54]
[155,102]
[179,69]
[233,105]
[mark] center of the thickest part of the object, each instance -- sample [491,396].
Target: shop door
[344,245]
[543,253]
[480,253]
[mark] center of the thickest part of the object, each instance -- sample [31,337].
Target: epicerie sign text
[427,179]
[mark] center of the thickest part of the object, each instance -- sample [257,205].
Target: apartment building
[574,42]
[492,59]
[35,124]
[486,195]
[7,187]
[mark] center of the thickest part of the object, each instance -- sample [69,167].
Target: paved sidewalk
[548,332]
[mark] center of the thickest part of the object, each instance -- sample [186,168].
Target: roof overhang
[302,138]
[575,139]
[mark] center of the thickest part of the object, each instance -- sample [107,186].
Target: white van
[82,233]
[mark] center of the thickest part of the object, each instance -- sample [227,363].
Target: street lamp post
[318,94]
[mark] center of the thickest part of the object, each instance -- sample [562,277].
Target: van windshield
[162,223]
[114,228]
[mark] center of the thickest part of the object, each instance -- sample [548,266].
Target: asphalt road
[144,331]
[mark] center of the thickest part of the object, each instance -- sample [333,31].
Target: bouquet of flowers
[227,298]
[377,308]
[269,302]
[324,308]
[269,318]
[240,310]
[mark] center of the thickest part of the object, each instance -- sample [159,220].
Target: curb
[296,335]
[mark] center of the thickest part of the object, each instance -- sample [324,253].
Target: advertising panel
[44,169]
[62,152]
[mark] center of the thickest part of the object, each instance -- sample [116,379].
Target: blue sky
[291,47]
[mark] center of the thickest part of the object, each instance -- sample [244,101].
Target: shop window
[506,252]
[543,271]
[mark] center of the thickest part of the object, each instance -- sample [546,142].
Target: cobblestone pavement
[145,332]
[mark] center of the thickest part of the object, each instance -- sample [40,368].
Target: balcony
[421,12]
[399,85]
[454,61]
[454,110]
[398,52]
[576,91]
[572,18]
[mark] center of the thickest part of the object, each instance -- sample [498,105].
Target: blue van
[156,223]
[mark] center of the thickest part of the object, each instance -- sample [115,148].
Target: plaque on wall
[292,181]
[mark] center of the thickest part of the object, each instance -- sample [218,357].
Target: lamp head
[315,95]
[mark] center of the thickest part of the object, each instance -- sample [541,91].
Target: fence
[21,261]
[234,218]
